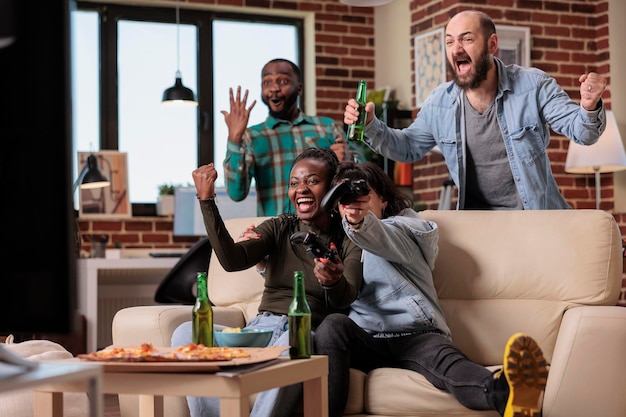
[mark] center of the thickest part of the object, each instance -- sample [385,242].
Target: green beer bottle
[299,321]
[202,314]
[356,130]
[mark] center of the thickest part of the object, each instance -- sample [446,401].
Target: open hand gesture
[237,119]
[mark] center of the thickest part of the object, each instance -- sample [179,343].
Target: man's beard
[288,104]
[483,65]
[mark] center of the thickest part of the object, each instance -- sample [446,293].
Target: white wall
[393,50]
[617,34]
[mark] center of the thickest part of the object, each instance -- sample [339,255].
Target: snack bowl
[243,338]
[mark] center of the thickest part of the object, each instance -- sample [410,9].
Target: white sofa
[555,275]
[20,403]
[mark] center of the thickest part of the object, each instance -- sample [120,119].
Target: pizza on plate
[199,352]
[147,353]
[143,352]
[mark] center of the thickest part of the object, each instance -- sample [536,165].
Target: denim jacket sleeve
[396,238]
[565,116]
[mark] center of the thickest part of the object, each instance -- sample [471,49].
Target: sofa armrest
[155,324]
[148,324]
[590,351]
[228,316]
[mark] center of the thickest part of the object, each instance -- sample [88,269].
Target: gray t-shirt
[489,180]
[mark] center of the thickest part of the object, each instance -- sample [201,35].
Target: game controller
[315,246]
[344,192]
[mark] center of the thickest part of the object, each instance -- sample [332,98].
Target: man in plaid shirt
[266,151]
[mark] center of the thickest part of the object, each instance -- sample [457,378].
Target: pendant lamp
[178,94]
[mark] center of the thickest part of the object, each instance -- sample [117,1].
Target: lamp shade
[366,3]
[606,155]
[91,176]
[179,94]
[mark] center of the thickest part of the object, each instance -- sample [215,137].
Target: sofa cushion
[245,287]
[399,392]
[20,403]
[492,285]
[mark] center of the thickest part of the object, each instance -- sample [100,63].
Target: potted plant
[165,200]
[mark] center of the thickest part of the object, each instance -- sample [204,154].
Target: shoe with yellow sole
[526,372]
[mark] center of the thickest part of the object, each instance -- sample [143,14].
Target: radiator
[118,289]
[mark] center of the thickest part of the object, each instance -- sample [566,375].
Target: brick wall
[133,233]
[568,38]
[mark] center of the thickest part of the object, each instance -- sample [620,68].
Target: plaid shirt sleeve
[238,164]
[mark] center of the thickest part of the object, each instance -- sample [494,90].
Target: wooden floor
[111,406]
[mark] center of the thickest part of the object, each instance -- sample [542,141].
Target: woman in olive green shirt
[330,286]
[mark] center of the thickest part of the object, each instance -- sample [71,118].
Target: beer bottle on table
[356,130]
[202,314]
[299,320]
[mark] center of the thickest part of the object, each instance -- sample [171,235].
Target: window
[125,57]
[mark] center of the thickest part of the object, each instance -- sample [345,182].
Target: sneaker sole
[526,371]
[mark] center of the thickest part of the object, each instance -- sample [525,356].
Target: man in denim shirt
[492,122]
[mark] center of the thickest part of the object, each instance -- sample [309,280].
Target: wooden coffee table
[232,387]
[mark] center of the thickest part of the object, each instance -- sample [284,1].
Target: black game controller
[315,246]
[344,192]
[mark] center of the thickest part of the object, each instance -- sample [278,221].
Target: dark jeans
[431,354]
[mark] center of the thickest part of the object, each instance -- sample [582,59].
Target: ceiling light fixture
[178,94]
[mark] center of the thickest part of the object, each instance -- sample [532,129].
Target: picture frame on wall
[514,44]
[430,63]
[112,200]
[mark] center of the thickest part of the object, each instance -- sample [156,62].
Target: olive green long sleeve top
[283,258]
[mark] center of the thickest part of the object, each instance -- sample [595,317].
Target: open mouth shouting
[276,103]
[305,205]
[463,64]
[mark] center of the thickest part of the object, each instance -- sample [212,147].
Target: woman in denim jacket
[492,122]
[396,320]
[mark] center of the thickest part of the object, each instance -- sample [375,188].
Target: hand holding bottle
[356,130]
[351,114]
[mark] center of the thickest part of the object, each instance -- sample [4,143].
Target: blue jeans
[277,402]
[431,354]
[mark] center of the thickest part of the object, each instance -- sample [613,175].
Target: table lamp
[606,155]
[91,176]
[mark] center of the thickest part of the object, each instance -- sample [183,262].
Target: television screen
[37,272]
[188,216]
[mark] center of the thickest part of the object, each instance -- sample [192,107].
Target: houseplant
[165,200]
